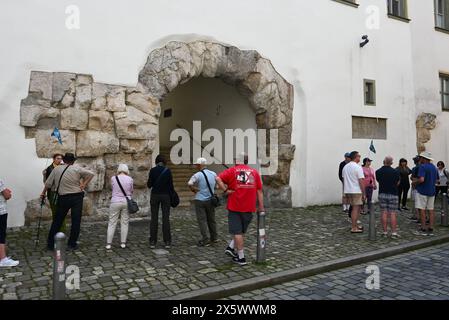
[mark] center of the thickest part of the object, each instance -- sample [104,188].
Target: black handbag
[174,197]
[133,207]
[214,200]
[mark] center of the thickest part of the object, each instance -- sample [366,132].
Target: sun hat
[426,155]
[69,157]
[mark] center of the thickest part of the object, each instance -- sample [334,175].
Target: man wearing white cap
[425,187]
[202,185]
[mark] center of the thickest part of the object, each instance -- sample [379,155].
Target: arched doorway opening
[208,103]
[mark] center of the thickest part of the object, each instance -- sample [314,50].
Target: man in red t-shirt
[243,186]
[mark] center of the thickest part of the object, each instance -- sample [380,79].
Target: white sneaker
[395,235]
[123,245]
[108,247]
[8,262]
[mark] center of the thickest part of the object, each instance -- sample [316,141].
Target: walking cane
[36,242]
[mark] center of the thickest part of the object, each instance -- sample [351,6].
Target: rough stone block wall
[104,125]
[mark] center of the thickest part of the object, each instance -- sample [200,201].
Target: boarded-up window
[369,128]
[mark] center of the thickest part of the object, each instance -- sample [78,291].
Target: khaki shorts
[424,202]
[355,199]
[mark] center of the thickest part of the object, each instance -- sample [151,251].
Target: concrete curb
[268,280]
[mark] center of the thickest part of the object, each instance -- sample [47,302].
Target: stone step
[184,193]
[182,170]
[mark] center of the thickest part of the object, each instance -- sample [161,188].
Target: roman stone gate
[105,124]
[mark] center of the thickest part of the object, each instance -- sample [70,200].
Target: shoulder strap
[160,175]
[60,178]
[120,185]
[207,181]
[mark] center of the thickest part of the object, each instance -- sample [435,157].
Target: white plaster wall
[331,84]
[312,44]
[430,56]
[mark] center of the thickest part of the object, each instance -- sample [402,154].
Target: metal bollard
[372,225]
[261,237]
[59,267]
[444,213]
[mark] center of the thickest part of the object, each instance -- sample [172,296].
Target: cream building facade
[116,77]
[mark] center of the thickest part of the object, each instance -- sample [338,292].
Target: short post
[372,226]
[444,213]
[261,237]
[59,267]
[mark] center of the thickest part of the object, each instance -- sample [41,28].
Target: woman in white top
[443,175]
[119,205]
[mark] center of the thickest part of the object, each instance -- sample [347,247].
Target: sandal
[358,231]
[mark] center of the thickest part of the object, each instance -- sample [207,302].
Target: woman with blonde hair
[119,206]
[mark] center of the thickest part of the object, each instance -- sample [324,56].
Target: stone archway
[107,124]
[270,95]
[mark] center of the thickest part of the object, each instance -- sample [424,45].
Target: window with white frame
[444,80]
[442,14]
[397,8]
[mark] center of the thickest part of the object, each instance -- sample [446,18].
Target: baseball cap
[202,161]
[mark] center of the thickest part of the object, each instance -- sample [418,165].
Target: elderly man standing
[70,182]
[389,180]
[243,185]
[344,199]
[426,190]
[354,188]
[202,185]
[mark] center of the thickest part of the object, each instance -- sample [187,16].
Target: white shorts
[424,202]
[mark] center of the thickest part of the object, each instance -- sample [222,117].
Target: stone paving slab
[428,280]
[297,237]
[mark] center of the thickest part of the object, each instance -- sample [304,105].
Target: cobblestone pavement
[296,237]
[420,275]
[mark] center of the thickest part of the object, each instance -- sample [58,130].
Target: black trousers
[403,194]
[73,202]
[163,201]
[440,189]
